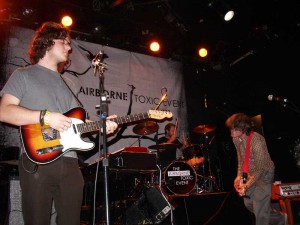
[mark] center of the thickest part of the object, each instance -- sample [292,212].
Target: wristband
[42,115]
[46,118]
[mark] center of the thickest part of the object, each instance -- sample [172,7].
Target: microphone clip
[97,63]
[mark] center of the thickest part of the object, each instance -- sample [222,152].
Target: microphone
[97,63]
[97,59]
[277,99]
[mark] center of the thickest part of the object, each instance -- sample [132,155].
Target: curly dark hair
[43,39]
[240,121]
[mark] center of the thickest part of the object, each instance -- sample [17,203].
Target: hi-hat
[145,128]
[164,146]
[204,129]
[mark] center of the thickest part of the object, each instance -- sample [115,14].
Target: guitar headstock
[158,114]
[97,63]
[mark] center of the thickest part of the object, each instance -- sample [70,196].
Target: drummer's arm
[183,146]
[185,143]
[172,139]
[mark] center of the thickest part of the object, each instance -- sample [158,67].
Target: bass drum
[180,177]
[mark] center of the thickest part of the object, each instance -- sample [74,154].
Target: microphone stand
[99,67]
[103,140]
[156,135]
[138,140]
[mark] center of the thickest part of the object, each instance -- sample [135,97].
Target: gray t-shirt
[39,88]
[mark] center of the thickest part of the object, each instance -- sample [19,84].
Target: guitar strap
[247,157]
[77,99]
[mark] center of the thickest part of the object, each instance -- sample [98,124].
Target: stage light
[66,21]
[202,52]
[154,46]
[27,12]
[97,29]
[223,9]
[228,15]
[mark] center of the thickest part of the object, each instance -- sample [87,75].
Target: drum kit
[182,177]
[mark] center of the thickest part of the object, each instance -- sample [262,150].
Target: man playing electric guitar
[255,171]
[37,94]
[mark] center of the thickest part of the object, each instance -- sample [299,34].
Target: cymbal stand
[204,184]
[138,140]
[210,179]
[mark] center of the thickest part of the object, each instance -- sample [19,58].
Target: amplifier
[133,161]
[288,195]
[285,190]
[152,208]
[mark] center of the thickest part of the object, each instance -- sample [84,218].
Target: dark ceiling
[182,25]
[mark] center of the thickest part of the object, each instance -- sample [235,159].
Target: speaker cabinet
[152,208]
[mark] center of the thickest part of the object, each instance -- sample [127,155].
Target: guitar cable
[27,170]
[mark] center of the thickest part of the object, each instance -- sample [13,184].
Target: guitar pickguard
[50,134]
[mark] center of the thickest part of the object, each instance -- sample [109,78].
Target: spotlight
[66,21]
[223,9]
[228,15]
[202,52]
[27,12]
[154,46]
[98,28]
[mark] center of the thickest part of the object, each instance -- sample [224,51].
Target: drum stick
[176,126]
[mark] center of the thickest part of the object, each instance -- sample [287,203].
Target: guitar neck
[95,126]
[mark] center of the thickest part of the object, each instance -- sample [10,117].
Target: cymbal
[145,128]
[163,146]
[204,129]
[10,162]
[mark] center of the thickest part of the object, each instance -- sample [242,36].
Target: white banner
[133,83]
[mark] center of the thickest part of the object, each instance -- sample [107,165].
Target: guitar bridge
[49,150]
[49,134]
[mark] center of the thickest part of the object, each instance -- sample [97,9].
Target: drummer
[172,152]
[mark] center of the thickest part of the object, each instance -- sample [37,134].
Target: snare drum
[180,177]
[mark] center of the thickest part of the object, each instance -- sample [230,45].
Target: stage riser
[218,208]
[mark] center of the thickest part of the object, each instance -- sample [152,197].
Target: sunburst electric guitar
[44,144]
